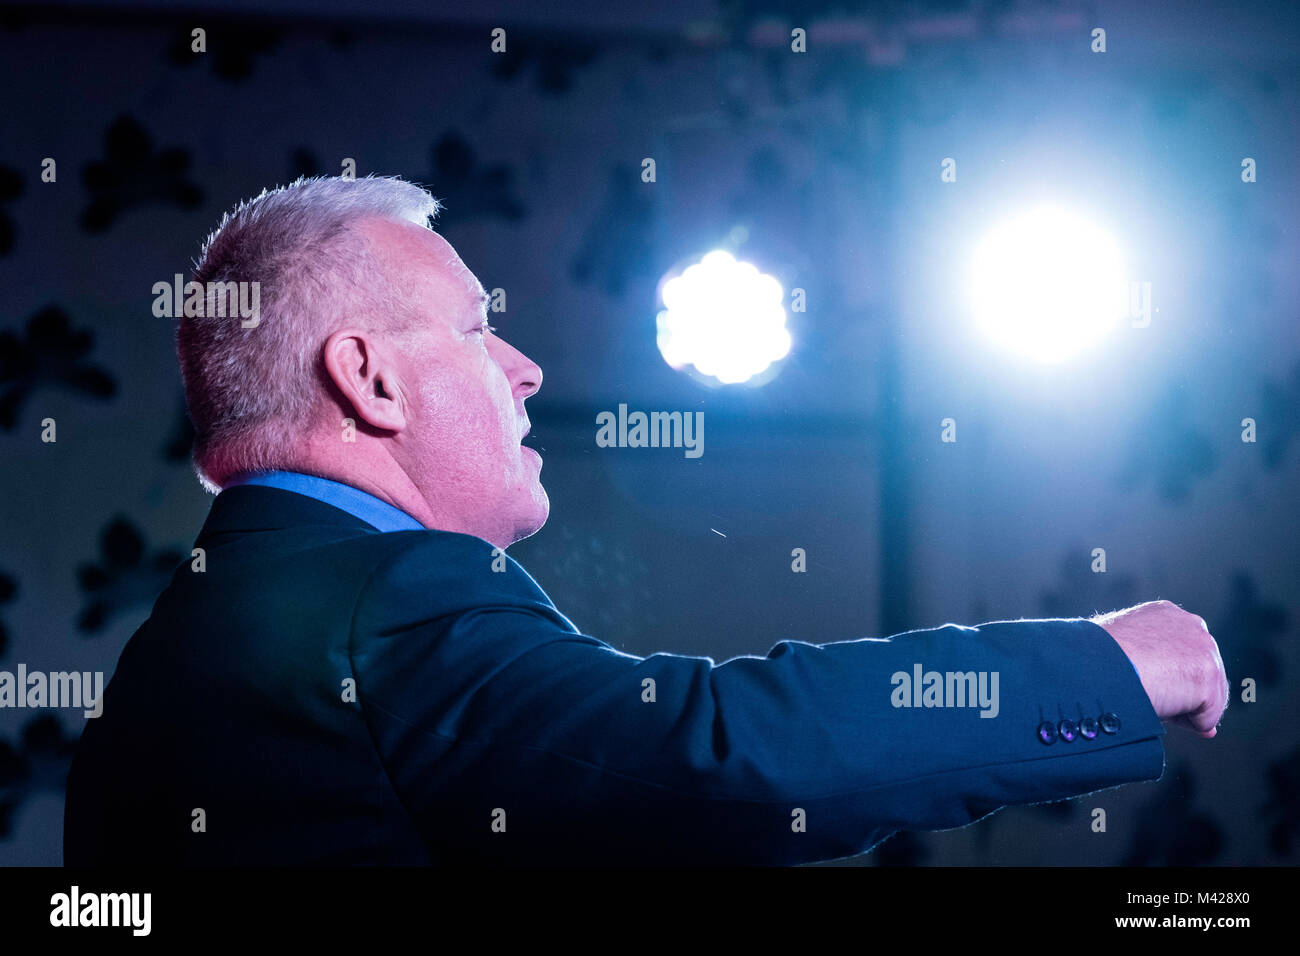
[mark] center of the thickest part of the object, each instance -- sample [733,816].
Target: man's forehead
[462,274]
[424,248]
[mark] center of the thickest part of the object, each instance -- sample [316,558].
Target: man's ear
[361,368]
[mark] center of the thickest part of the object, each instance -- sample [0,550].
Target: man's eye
[484,329]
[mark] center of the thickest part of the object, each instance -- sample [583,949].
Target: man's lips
[531,451]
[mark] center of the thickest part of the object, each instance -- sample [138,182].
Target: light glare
[1048,284]
[725,318]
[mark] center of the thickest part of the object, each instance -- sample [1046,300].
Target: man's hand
[1177,661]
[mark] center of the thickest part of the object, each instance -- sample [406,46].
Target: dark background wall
[823,168]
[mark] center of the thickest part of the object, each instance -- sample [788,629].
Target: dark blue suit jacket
[483,727]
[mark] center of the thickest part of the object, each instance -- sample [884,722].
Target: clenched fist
[1177,661]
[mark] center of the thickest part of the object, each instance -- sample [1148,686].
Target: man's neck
[382,478]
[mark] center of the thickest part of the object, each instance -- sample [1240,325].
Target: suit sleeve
[511,737]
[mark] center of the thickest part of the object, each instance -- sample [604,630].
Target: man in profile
[358,673]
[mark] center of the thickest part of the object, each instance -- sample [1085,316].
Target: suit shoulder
[440,573]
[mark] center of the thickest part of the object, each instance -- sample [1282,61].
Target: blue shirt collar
[377,513]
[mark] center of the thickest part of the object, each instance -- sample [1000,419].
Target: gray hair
[252,392]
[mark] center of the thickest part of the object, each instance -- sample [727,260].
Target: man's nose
[524,374]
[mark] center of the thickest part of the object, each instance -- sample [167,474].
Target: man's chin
[539,510]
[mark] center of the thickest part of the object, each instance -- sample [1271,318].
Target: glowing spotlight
[724,318]
[1048,285]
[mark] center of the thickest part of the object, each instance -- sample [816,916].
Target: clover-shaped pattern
[123,578]
[1168,449]
[472,189]
[11,187]
[49,352]
[181,440]
[40,762]
[555,62]
[133,173]
[1281,809]
[303,162]
[1170,830]
[232,49]
[8,588]
[618,242]
[1279,419]
[1247,633]
[1081,592]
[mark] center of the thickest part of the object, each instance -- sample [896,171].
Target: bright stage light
[1048,284]
[723,317]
